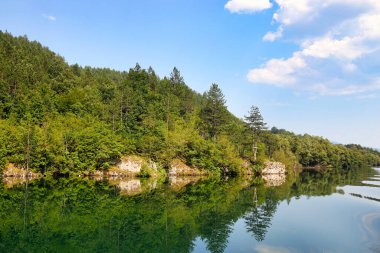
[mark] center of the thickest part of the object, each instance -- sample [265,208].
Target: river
[311,212]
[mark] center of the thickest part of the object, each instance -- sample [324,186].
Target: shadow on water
[133,215]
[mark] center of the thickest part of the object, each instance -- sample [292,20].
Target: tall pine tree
[256,124]
[214,113]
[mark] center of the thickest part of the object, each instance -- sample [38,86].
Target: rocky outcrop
[14,176]
[13,171]
[131,166]
[179,168]
[273,168]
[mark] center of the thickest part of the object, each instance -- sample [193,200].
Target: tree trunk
[121,112]
[167,115]
[254,149]
[28,153]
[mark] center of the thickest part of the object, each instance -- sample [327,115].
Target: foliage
[214,112]
[255,120]
[60,118]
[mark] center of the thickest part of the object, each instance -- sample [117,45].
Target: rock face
[13,176]
[130,166]
[179,168]
[273,168]
[12,171]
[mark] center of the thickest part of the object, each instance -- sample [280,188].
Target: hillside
[56,117]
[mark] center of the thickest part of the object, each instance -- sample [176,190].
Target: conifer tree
[176,78]
[256,124]
[214,113]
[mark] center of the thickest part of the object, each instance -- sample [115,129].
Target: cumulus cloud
[49,17]
[272,36]
[292,11]
[345,48]
[247,6]
[278,72]
[368,25]
[331,62]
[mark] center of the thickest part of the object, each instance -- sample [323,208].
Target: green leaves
[214,112]
[255,121]
[82,118]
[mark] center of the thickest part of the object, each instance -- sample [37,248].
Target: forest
[56,117]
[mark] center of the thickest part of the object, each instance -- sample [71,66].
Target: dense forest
[56,117]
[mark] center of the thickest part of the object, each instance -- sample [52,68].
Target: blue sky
[312,66]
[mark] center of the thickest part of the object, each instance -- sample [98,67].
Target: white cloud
[49,17]
[272,36]
[349,48]
[303,11]
[369,25]
[333,61]
[278,71]
[247,6]
[291,11]
[329,90]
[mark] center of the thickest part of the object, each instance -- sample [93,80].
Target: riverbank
[131,173]
[133,166]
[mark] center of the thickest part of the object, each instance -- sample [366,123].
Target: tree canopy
[58,117]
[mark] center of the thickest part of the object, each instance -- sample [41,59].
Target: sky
[311,66]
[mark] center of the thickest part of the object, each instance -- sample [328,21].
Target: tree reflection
[216,232]
[83,215]
[258,219]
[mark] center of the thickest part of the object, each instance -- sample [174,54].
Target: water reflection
[10,182]
[371,223]
[272,180]
[178,182]
[132,186]
[272,249]
[258,218]
[133,215]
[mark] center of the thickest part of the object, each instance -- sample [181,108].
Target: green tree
[60,118]
[176,78]
[214,112]
[256,123]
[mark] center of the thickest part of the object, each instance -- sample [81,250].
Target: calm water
[334,212]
